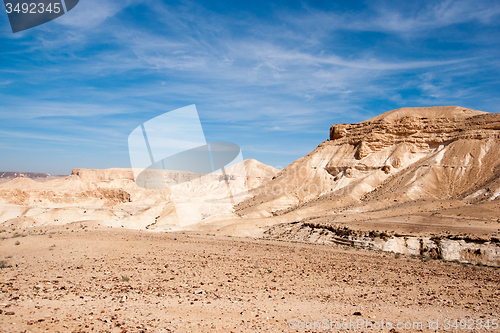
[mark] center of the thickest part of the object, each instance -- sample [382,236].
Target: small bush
[125,278]
[17,243]
[3,264]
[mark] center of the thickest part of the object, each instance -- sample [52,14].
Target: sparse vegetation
[125,278]
[17,243]
[4,264]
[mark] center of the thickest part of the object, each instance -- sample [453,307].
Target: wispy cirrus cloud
[435,15]
[398,18]
[256,79]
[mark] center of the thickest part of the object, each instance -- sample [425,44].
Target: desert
[85,278]
[392,219]
[249,166]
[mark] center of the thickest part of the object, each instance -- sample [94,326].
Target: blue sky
[270,76]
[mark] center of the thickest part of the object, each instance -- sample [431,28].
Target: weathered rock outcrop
[426,126]
[475,251]
[405,154]
[113,197]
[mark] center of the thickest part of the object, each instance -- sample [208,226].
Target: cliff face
[424,126]
[113,197]
[405,154]
[97,175]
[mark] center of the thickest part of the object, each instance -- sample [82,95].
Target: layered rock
[404,154]
[424,126]
[112,197]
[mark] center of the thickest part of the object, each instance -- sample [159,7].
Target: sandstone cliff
[113,198]
[402,155]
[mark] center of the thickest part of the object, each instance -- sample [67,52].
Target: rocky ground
[87,278]
[395,182]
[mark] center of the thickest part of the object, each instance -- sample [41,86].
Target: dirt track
[69,278]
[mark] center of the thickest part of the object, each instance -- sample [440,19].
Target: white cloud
[406,19]
[292,75]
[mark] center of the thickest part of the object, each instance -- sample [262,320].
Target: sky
[269,76]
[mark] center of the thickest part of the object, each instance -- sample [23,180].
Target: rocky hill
[113,198]
[39,177]
[404,155]
[419,181]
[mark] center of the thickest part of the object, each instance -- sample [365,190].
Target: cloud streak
[255,79]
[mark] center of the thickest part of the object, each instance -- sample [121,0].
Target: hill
[39,177]
[113,198]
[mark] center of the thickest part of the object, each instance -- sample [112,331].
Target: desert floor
[85,278]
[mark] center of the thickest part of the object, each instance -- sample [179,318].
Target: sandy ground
[84,278]
[422,218]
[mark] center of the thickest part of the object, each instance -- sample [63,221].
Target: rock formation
[112,197]
[405,155]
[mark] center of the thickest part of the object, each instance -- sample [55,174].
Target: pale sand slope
[411,170]
[113,197]
[69,279]
[399,171]
[414,171]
